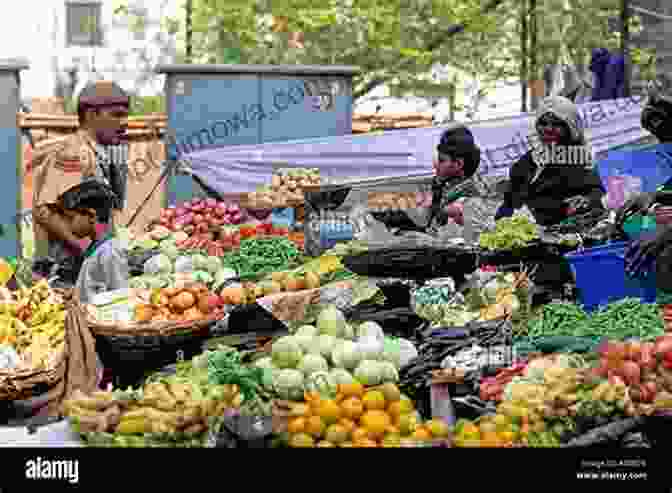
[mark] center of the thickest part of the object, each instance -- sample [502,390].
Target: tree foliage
[395,42]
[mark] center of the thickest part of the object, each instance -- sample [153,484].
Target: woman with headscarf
[657,119]
[556,178]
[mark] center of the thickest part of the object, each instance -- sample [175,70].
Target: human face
[552,130]
[448,167]
[109,124]
[83,223]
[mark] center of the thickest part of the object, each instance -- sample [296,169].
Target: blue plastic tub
[601,279]
[652,165]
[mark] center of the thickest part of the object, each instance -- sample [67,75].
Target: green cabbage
[269,368]
[139,282]
[388,372]
[324,345]
[331,321]
[265,363]
[171,251]
[213,265]
[322,383]
[184,265]
[370,329]
[200,262]
[202,276]
[346,355]
[158,264]
[306,342]
[341,376]
[392,352]
[312,363]
[370,348]
[369,373]
[307,330]
[288,384]
[286,352]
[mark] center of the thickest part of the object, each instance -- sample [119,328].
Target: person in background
[657,119]
[97,151]
[458,157]
[556,178]
[68,220]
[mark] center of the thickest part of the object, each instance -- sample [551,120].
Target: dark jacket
[545,197]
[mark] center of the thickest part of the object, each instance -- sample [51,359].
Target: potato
[276,181]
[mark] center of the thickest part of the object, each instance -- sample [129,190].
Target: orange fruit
[329,411]
[421,434]
[393,430]
[376,422]
[359,434]
[352,408]
[397,408]
[336,434]
[315,426]
[366,443]
[296,425]
[374,400]
[348,424]
[354,389]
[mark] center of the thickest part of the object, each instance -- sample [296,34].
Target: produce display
[502,296]
[169,410]
[32,327]
[190,302]
[383,201]
[200,216]
[510,233]
[619,320]
[318,358]
[260,256]
[360,417]
[172,266]
[286,189]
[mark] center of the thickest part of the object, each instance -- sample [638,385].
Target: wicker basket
[28,383]
[130,350]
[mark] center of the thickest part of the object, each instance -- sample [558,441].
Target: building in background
[70,42]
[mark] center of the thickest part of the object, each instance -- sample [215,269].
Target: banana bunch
[29,300]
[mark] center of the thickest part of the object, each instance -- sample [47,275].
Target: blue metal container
[222,105]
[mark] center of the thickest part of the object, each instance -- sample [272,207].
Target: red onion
[237,218]
[197,219]
[663,346]
[202,227]
[210,203]
[181,211]
[234,208]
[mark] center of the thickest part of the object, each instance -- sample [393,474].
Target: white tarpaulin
[238,169]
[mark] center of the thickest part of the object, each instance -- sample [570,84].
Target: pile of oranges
[360,417]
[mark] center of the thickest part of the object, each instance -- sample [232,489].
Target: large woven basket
[130,349]
[28,383]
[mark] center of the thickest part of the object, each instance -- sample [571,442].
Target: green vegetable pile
[225,367]
[510,233]
[260,256]
[628,318]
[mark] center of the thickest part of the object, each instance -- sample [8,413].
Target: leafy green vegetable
[510,233]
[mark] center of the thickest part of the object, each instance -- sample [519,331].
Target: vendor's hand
[503,211]
[641,255]
[636,205]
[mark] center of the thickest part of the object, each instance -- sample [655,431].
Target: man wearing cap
[97,151]
[657,119]
[458,157]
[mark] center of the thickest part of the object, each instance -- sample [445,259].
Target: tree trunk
[523,58]
[534,69]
